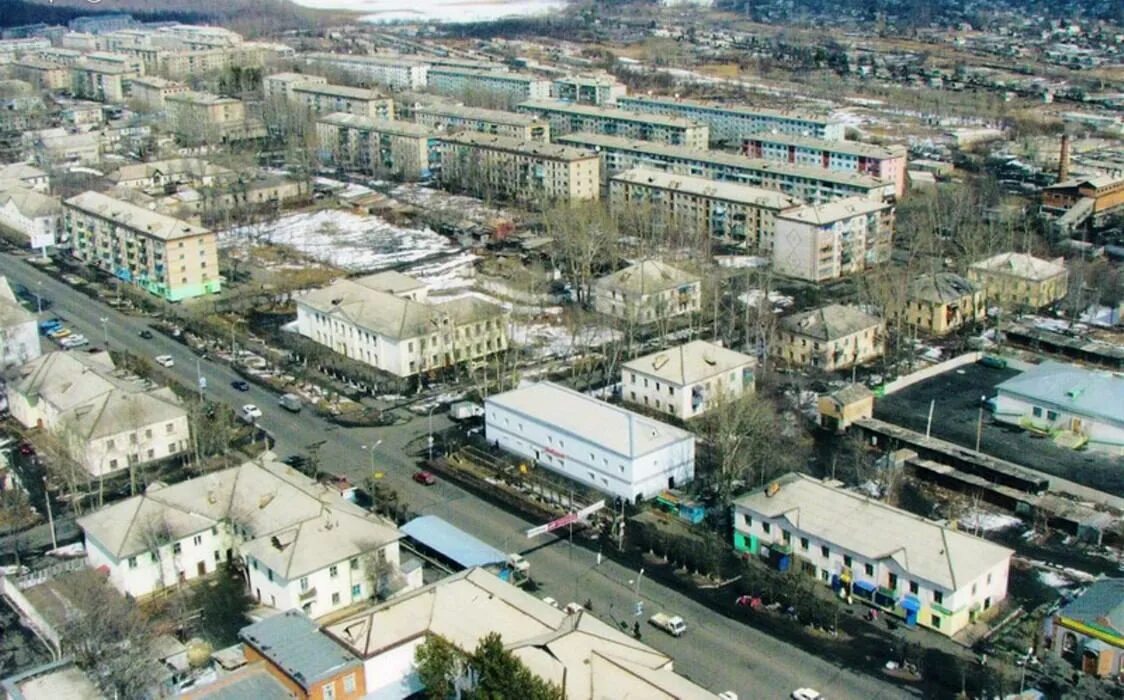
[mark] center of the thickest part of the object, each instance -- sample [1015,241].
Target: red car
[425,478]
[27,449]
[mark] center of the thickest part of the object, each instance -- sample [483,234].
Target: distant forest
[19,12]
[919,13]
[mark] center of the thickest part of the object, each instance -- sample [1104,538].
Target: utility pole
[50,514]
[979,423]
[105,331]
[929,423]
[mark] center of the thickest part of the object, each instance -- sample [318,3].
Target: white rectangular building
[930,574]
[688,380]
[457,82]
[606,447]
[731,123]
[33,214]
[19,331]
[589,89]
[397,72]
[826,241]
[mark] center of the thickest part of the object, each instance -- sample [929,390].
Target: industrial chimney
[1063,160]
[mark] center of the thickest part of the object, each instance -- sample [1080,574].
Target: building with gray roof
[293,646]
[688,380]
[831,337]
[1089,630]
[647,292]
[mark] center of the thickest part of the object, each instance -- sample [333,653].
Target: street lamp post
[375,474]
[50,514]
[636,591]
[105,331]
[39,296]
[199,378]
[429,437]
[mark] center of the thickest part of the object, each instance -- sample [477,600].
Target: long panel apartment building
[445,116]
[323,98]
[589,89]
[883,162]
[566,118]
[810,184]
[397,72]
[731,124]
[403,149]
[727,211]
[526,171]
[826,241]
[168,257]
[518,87]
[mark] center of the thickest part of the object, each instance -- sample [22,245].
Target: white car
[165,360]
[806,694]
[550,601]
[573,608]
[250,413]
[74,341]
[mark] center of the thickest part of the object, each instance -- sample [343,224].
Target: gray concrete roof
[1102,604]
[1021,265]
[646,277]
[151,223]
[386,126]
[940,288]
[830,212]
[705,187]
[830,322]
[1093,393]
[690,363]
[536,149]
[293,643]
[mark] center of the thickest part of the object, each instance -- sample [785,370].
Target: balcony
[307,595]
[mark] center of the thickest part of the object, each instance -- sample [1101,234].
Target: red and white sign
[566,519]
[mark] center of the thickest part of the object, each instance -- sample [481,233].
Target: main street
[716,652]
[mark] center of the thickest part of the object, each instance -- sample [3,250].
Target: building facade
[827,241]
[517,87]
[452,117]
[927,573]
[830,338]
[44,75]
[596,90]
[19,330]
[163,255]
[941,303]
[882,162]
[396,72]
[603,446]
[732,124]
[308,664]
[688,380]
[647,292]
[526,171]
[99,82]
[32,214]
[1089,630]
[1021,281]
[149,92]
[280,85]
[567,117]
[326,99]
[403,149]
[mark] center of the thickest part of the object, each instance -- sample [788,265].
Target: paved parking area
[956,412]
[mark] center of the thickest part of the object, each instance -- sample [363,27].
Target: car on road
[51,324]
[550,601]
[240,385]
[146,334]
[58,333]
[74,341]
[165,361]
[806,694]
[249,413]
[425,478]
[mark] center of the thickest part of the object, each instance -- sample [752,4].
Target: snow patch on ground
[457,272]
[777,300]
[550,340]
[988,522]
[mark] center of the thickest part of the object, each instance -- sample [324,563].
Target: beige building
[688,380]
[527,171]
[568,117]
[149,92]
[100,82]
[727,211]
[166,256]
[43,74]
[449,117]
[280,85]
[402,149]
[842,407]
[457,81]
[205,117]
[941,303]
[588,89]
[826,241]
[326,99]
[647,292]
[158,176]
[387,321]
[1018,280]
[830,338]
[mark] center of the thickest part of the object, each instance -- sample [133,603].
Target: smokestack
[1063,160]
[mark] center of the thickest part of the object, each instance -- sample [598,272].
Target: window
[765,527]
[804,543]
[112,464]
[216,555]
[355,564]
[269,575]
[938,597]
[132,562]
[197,540]
[913,587]
[989,578]
[356,591]
[1051,415]
[973,589]
[176,548]
[110,444]
[869,569]
[825,551]
[936,621]
[304,584]
[893,582]
[1037,412]
[847,560]
[349,683]
[786,536]
[169,427]
[329,692]
[335,599]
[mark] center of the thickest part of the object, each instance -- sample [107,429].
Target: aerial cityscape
[562,349]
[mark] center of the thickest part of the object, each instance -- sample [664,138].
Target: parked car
[58,333]
[291,402]
[51,324]
[146,334]
[672,624]
[806,694]
[425,478]
[165,360]
[240,385]
[74,341]
[250,413]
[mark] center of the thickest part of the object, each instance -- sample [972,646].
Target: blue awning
[911,603]
[865,586]
[451,542]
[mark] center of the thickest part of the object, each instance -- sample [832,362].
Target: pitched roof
[30,203]
[830,212]
[251,681]
[294,525]
[941,288]
[1101,605]
[1072,388]
[535,149]
[596,659]
[195,167]
[935,553]
[20,171]
[293,643]
[830,322]
[1021,265]
[152,223]
[387,126]
[614,428]
[11,312]
[689,363]
[646,277]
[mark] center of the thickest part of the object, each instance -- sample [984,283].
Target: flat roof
[208,98]
[452,542]
[851,148]
[614,428]
[686,153]
[530,148]
[150,222]
[624,115]
[374,59]
[388,126]
[1095,393]
[705,187]
[489,74]
[350,93]
[496,116]
[733,109]
[830,212]
[599,80]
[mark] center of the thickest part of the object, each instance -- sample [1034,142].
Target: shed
[451,542]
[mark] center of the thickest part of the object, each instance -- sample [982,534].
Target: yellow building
[44,75]
[321,98]
[1017,280]
[830,338]
[149,92]
[161,254]
[204,116]
[446,116]
[527,171]
[355,142]
[941,303]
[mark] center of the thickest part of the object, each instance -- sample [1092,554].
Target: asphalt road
[717,652]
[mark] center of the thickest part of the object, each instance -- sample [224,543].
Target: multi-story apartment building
[647,292]
[809,184]
[727,211]
[204,116]
[830,338]
[822,242]
[688,380]
[100,82]
[730,124]
[445,116]
[395,72]
[567,118]
[115,60]
[11,49]
[407,103]
[590,441]
[940,303]
[280,85]
[883,162]
[63,57]
[527,171]
[517,87]
[26,176]
[588,89]
[304,547]
[326,99]
[104,419]
[166,256]
[180,65]
[402,149]
[1018,280]
[149,92]
[41,73]
[930,574]
[384,320]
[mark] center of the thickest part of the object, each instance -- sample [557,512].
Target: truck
[463,410]
[672,624]
[520,568]
[290,402]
